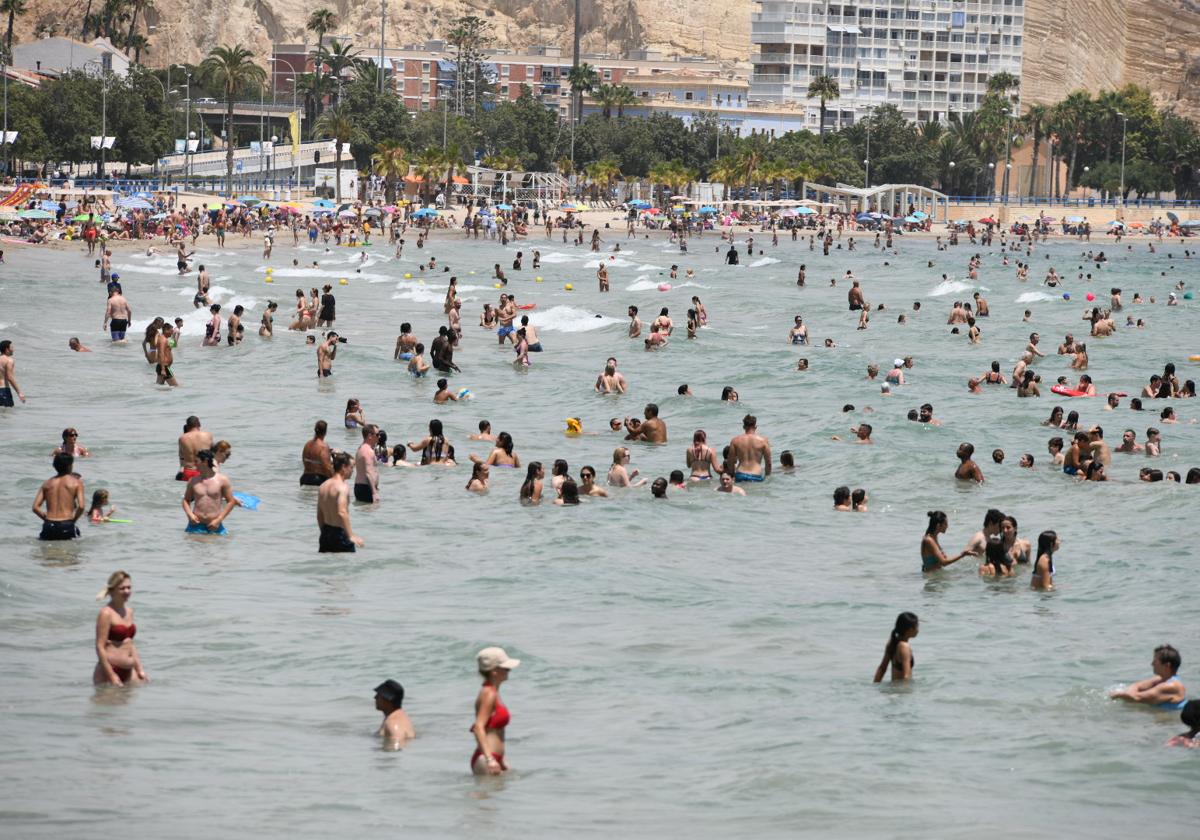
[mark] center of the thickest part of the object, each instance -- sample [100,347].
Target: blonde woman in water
[119,663]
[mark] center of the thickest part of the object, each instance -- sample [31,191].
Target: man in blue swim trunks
[209,497]
[506,312]
[750,453]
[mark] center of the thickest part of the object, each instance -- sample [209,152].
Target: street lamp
[1124,126]
[992,179]
[295,140]
[1008,154]
[951,178]
[103,109]
[274,140]
[867,162]
[1086,170]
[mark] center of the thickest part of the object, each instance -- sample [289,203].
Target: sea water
[699,666]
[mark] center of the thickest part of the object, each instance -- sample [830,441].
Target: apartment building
[929,58]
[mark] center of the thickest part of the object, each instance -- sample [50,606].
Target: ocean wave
[557,257]
[950,287]
[761,261]
[1034,297]
[569,319]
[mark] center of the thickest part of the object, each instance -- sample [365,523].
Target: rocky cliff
[1069,44]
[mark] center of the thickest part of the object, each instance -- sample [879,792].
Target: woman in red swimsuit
[119,661]
[491,717]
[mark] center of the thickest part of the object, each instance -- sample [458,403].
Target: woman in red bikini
[119,661]
[491,717]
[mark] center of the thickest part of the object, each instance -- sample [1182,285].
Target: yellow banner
[294,125]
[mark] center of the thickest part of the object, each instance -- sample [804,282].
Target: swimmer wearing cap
[895,376]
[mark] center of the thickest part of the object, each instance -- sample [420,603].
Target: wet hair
[206,455]
[406,327]
[570,491]
[913,415]
[398,453]
[992,517]
[937,518]
[484,425]
[1190,716]
[658,488]
[652,409]
[1073,418]
[681,390]
[560,467]
[1056,412]
[369,429]
[1167,655]
[727,392]
[1150,474]
[63,463]
[435,428]
[193,422]
[1056,443]
[786,459]
[503,441]
[1193,476]
[749,422]
[476,473]
[997,556]
[441,383]
[531,472]
[114,580]
[858,497]
[905,622]
[847,408]
[676,477]
[99,499]
[841,495]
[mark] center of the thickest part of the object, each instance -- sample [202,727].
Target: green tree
[337,124]
[379,115]
[1002,82]
[825,88]
[338,58]
[320,21]
[1036,124]
[14,9]
[471,37]
[231,69]
[390,161]
[582,78]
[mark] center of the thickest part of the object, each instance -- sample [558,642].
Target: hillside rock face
[1069,44]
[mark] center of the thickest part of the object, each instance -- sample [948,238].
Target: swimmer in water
[932,555]
[396,728]
[491,716]
[898,653]
[118,660]
[1163,690]
[1190,716]
[967,469]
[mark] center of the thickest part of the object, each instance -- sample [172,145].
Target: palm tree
[138,43]
[725,170]
[340,125]
[391,164]
[368,71]
[230,69]
[311,89]
[606,97]
[1035,123]
[623,97]
[661,173]
[14,8]
[1071,116]
[319,21]
[139,7]
[340,57]
[603,171]
[1002,83]
[825,88]
[429,166]
[583,78]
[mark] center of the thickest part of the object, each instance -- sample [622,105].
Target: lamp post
[187,132]
[951,178]
[4,139]
[274,140]
[867,162]
[295,140]
[992,179]
[103,109]
[1124,126]
[1008,155]
[1086,170]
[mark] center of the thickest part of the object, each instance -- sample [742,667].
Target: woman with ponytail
[1043,567]
[898,653]
[932,556]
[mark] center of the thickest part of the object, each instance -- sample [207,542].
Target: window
[688,96]
[504,70]
[424,66]
[607,75]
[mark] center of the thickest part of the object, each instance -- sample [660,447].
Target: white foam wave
[569,319]
[1034,297]
[761,261]
[643,285]
[557,257]
[613,263]
[950,287]
[649,267]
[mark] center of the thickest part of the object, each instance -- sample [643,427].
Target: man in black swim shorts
[333,508]
[62,497]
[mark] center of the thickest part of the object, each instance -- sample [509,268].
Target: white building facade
[929,58]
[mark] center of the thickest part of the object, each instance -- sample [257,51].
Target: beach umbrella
[374,211]
[504,207]
[707,209]
[35,214]
[1172,217]
[158,217]
[1049,219]
[639,202]
[678,197]
[323,203]
[135,204]
[81,217]
[912,220]
[250,200]
[1190,223]
[920,215]
[52,206]
[348,214]
[987,220]
[806,211]
[424,212]
[1074,219]
[1116,223]
[864,217]
[391,208]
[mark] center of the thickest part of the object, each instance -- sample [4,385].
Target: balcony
[774,58]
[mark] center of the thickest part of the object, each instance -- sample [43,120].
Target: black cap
[391,691]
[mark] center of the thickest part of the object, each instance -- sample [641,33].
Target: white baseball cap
[491,658]
[898,362]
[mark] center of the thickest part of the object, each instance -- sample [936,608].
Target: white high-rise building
[929,58]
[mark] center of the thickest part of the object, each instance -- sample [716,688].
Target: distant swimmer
[968,470]
[315,458]
[63,497]
[396,728]
[118,660]
[333,508]
[897,654]
[1163,690]
[750,452]
[491,716]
